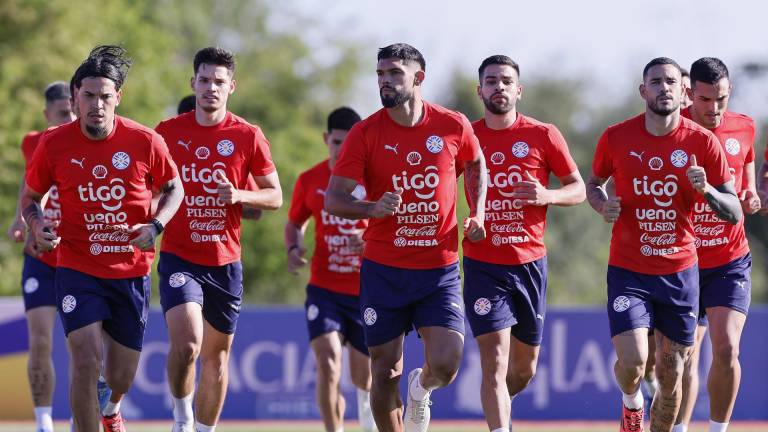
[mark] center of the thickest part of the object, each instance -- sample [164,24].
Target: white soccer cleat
[183,427]
[364,413]
[417,413]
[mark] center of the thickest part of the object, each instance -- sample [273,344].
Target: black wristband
[158,225]
[290,249]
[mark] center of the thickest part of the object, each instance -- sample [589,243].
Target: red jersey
[335,266]
[654,232]
[717,241]
[206,231]
[52,207]
[421,160]
[516,232]
[103,186]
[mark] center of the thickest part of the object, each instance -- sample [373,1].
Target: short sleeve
[714,162]
[299,212]
[351,162]
[39,175]
[261,162]
[162,169]
[469,147]
[602,165]
[559,157]
[750,156]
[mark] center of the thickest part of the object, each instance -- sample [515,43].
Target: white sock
[633,401]
[717,427]
[417,391]
[501,430]
[182,409]
[341,429]
[111,408]
[364,413]
[680,427]
[43,418]
[199,427]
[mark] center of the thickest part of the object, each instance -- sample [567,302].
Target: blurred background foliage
[291,72]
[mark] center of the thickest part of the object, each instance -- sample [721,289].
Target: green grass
[443,426]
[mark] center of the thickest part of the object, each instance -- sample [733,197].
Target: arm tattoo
[475,184]
[669,372]
[595,193]
[32,212]
[725,204]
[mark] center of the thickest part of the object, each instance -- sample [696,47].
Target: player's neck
[210,118]
[699,120]
[500,121]
[658,125]
[408,114]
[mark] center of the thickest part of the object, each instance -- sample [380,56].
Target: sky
[606,43]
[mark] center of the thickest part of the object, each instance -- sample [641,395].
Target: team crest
[732,146]
[370,316]
[121,160]
[435,144]
[177,279]
[679,158]
[621,303]
[68,303]
[225,147]
[31,285]
[312,312]
[520,149]
[482,306]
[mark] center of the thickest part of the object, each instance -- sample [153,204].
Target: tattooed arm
[608,207]
[44,238]
[476,184]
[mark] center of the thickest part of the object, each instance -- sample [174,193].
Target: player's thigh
[216,345]
[725,327]
[632,346]
[359,367]
[387,359]
[185,324]
[443,347]
[328,349]
[120,361]
[494,351]
[523,356]
[85,345]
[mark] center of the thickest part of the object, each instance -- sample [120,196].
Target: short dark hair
[498,59]
[404,52]
[342,118]
[57,90]
[104,61]
[214,56]
[186,104]
[684,72]
[708,70]
[660,61]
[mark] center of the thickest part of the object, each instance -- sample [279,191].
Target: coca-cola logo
[424,231]
[211,225]
[665,239]
[708,231]
[513,227]
[115,236]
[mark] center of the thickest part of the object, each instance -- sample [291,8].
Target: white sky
[606,42]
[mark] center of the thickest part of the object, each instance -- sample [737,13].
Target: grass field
[436,426]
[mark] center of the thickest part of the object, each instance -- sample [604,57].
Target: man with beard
[201,277]
[653,279]
[506,275]
[406,156]
[104,167]
[725,262]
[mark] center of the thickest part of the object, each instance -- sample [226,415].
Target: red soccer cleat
[113,423]
[631,420]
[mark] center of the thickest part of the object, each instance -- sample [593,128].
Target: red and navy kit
[205,231]
[515,233]
[421,160]
[104,186]
[719,242]
[51,207]
[654,231]
[335,263]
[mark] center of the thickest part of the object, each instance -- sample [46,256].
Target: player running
[505,275]
[406,156]
[37,276]
[201,277]
[104,167]
[725,264]
[652,272]
[332,306]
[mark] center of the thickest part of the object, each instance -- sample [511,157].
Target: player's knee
[184,353]
[40,345]
[520,376]
[214,365]
[361,379]
[329,364]
[725,354]
[632,365]
[445,369]
[385,374]
[119,379]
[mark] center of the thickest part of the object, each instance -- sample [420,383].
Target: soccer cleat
[113,423]
[631,420]
[417,413]
[103,392]
[183,427]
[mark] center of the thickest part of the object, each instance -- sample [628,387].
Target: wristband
[158,225]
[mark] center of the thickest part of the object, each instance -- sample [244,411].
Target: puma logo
[78,162]
[184,144]
[637,155]
[389,147]
[741,284]
[320,191]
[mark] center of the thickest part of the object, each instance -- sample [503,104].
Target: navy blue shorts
[122,305]
[395,300]
[328,311]
[497,297]
[668,303]
[729,285]
[38,283]
[218,289]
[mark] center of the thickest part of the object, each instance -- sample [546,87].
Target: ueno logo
[417,182]
[115,191]
[657,189]
[502,180]
[192,174]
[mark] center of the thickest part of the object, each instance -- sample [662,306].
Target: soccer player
[685,102]
[660,162]
[186,104]
[725,264]
[505,275]
[332,306]
[104,167]
[37,277]
[406,156]
[201,277]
